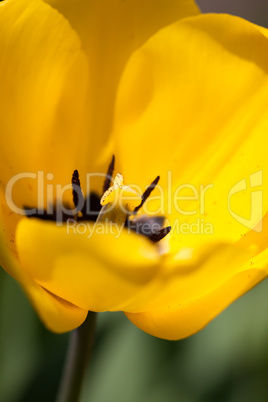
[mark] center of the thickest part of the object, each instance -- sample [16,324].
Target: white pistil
[118,202]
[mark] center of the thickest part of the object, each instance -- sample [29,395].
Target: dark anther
[77,192]
[157,236]
[91,208]
[146,225]
[107,181]
[147,193]
[53,216]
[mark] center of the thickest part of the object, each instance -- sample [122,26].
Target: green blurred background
[226,362]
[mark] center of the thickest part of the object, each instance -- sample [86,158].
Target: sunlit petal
[57,314]
[94,268]
[43,80]
[193,105]
[110,31]
[189,315]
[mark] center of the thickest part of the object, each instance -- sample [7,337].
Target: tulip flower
[170,93]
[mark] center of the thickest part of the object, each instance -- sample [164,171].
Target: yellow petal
[189,315]
[57,314]
[110,31]
[193,105]
[43,80]
[128,23]
[94,268]
[191,273]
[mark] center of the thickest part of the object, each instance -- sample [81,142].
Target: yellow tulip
[169,92]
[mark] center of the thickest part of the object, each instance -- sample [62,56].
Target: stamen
[77,192]
[157,236]
[91,208]
[147,193]
[109,174]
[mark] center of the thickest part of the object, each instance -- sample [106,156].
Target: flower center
[119,205]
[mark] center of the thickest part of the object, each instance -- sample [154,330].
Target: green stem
[78,355]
